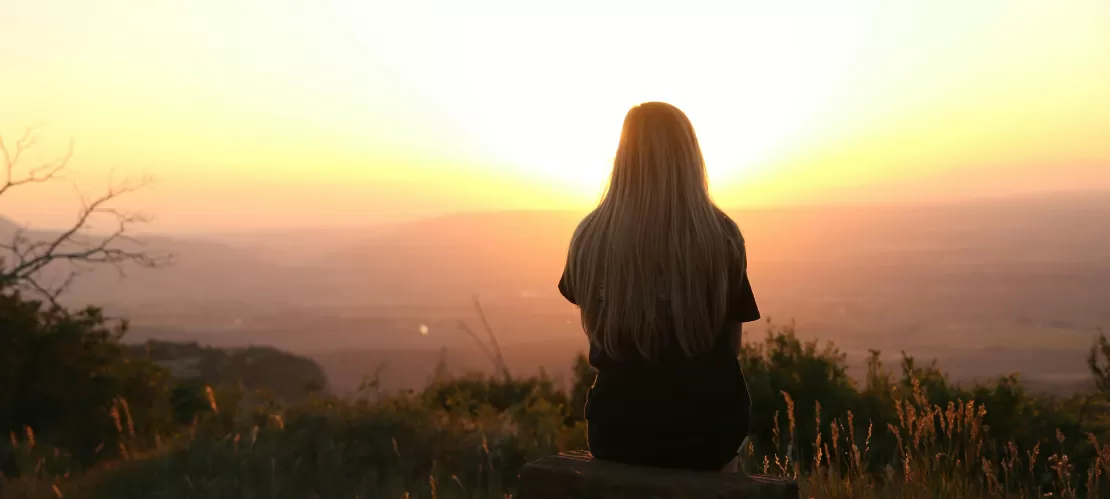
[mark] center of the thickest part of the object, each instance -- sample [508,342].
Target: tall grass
[941,452]
[468,437]
[417,447]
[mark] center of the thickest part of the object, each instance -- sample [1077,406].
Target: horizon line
[838,203]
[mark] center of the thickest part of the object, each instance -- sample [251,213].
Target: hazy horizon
[983,286]
[328,226]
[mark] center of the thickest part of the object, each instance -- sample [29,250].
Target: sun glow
[362,108]
[553,106]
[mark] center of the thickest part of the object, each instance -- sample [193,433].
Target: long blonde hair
[651,263]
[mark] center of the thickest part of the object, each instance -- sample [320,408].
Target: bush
[70,384]
[88,420]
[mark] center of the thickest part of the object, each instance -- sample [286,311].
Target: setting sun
[369,110]
[553,105]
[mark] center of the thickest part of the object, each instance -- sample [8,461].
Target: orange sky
[271,113]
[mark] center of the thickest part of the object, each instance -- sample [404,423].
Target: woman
[659,275]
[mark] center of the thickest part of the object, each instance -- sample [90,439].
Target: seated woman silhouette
[659,274]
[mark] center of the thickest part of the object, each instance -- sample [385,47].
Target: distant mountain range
[987,286]
[1033,259]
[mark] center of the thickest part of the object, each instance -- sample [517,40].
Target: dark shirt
[690,413]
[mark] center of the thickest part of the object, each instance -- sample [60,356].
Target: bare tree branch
[40,174]
[24,258]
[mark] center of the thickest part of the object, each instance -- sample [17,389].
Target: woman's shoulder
[730,227]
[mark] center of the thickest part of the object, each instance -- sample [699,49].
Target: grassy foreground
[913,435]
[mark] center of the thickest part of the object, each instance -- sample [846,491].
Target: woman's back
[660,276]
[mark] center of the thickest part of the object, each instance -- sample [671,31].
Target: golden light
[546,94]
[367,108]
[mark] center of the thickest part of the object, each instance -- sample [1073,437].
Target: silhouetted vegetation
[67,379]
[89,416]
[48,266]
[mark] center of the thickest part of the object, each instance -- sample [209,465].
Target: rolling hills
[1017,273]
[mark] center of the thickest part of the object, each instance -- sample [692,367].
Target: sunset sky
[281,113]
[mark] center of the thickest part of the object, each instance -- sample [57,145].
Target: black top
[688,413]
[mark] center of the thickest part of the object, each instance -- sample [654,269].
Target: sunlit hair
[651,262]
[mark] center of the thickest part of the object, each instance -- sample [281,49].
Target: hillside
[982,280]
[283,375]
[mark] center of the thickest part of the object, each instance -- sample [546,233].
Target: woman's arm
[742,308]
[741,300]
